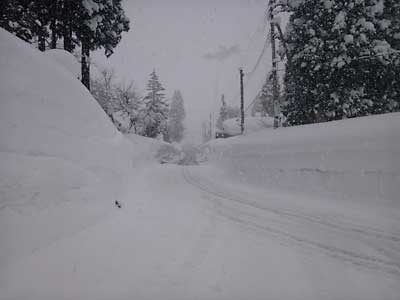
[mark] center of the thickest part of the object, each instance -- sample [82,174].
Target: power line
[260,29]
[266,44]
[259,59]
[255,67]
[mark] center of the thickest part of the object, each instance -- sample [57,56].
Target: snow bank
[251,124]
[62,162]
[65,59]
[355,158]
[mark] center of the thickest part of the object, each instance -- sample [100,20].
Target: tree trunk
[41,40]
[85,65]
[53,25]
[67,30]
[67,35]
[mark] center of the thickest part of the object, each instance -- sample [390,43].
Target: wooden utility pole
[275,92]
[210,127]
[241,101]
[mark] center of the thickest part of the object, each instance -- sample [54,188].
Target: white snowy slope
[62,163]
[225,230]
[355,158]
[65,59]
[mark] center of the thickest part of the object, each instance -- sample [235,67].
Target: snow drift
[65,59]
[62,162]
[355,158]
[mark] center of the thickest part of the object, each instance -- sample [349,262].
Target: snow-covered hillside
[62,162]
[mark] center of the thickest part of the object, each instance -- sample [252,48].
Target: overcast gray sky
[195,46]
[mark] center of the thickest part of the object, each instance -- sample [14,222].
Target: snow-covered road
[314,227]
[307,212]
[188,233]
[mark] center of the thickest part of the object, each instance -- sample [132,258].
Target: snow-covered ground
[309,212]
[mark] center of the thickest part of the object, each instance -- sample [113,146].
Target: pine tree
[264,102]
[176,116]
[30,20]
[69,13]
[154,114]
[17,17]
[345,55]
[99,24]
[206,131]
[42,16]
[90,24]
[223,114]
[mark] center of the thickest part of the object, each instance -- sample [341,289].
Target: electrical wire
[266,44]
[260,30]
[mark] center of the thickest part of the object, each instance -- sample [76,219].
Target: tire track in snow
[374,262]
[211,188]
[198,252]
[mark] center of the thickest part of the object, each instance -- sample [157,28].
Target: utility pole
[210,127]
[275,92]
[241,101]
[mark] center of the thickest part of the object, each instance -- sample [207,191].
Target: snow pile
[251,124]
[62,162]
[355,158]
[65,59]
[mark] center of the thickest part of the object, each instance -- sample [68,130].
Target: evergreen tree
[345,57]
[264,102]
[42,16]
[17,17]
[90,24]
[206,131]
[31,20]
[154,114]
[223,114]
[55,16]
[69,13]
[175,118]
[99,24]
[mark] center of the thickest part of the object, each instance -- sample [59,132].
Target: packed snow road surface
[309,225]
[185,233]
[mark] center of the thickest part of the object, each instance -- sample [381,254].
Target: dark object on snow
[117,204]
